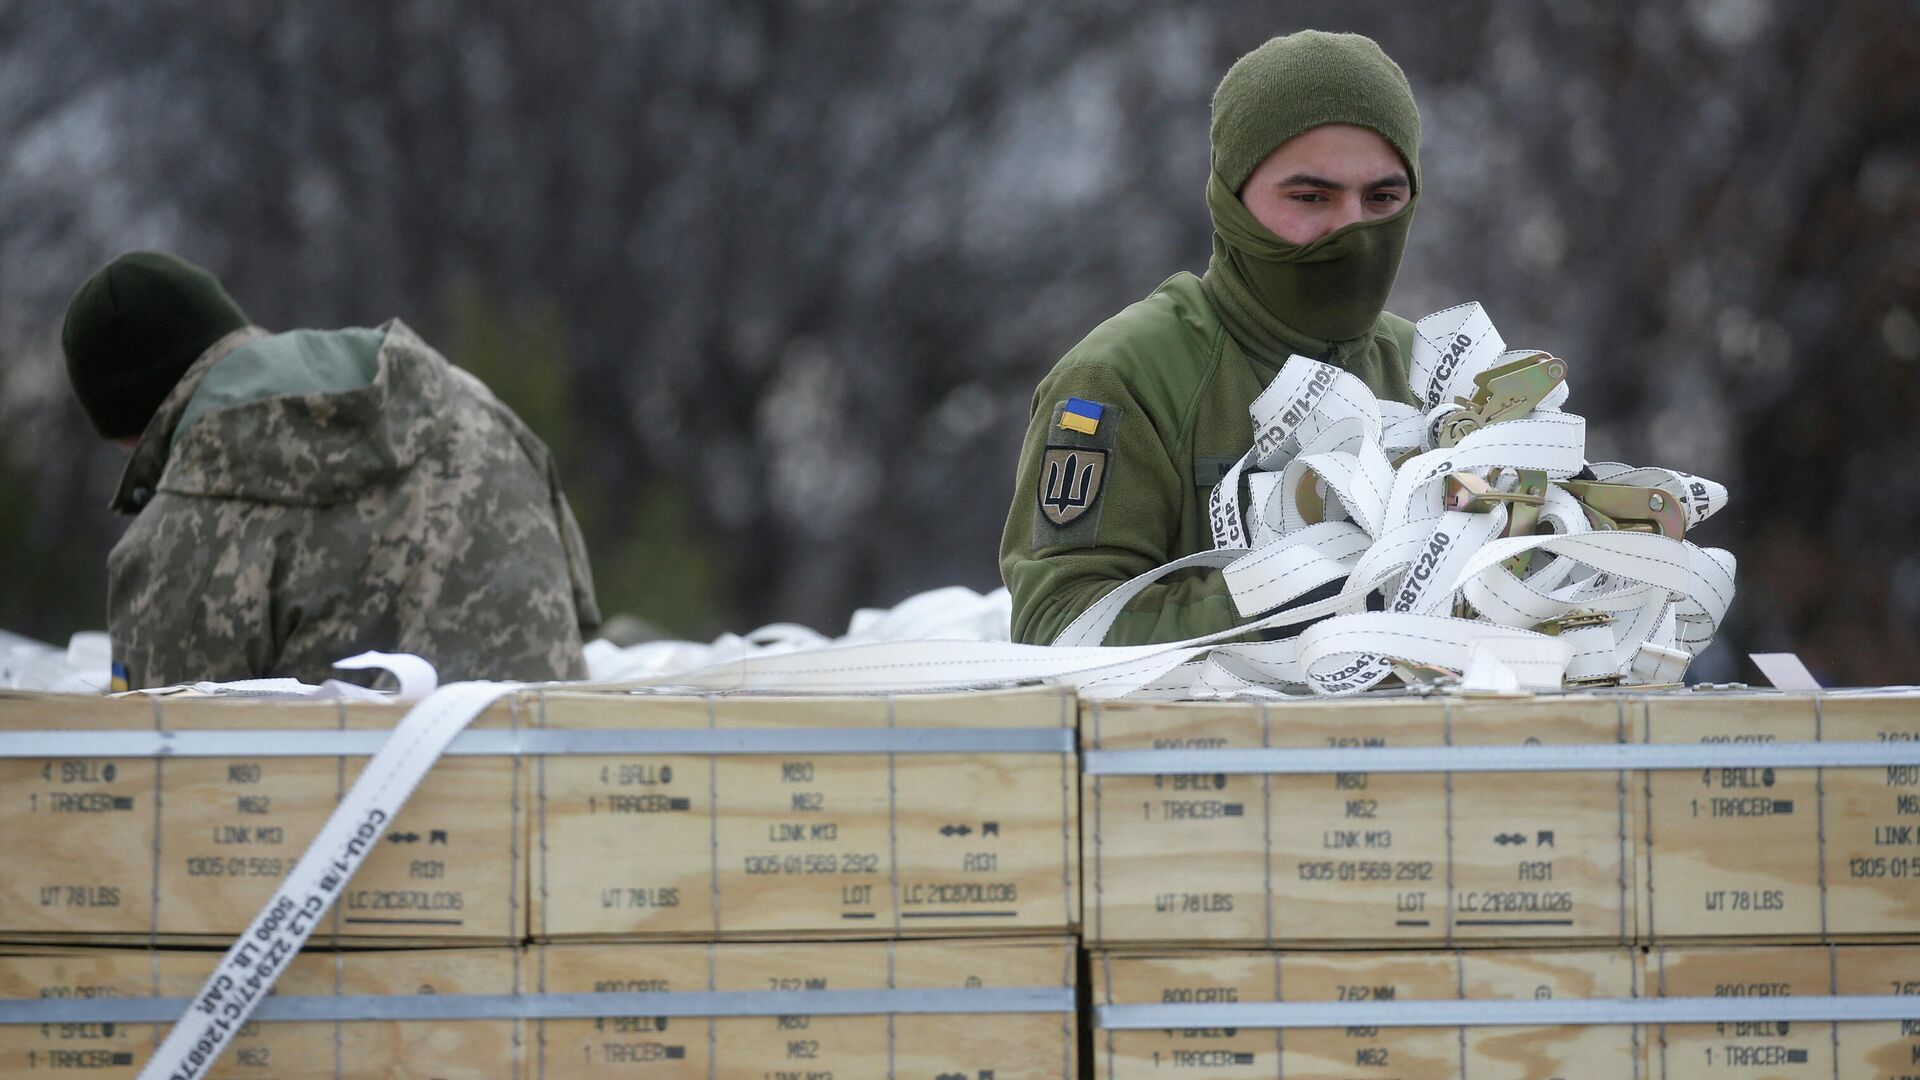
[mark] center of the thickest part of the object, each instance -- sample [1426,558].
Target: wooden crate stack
[565,874]
[857,871]
[689,872]
[1355,887]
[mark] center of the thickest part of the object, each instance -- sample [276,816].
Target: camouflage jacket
[289,524]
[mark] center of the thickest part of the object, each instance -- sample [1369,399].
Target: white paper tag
[1784,670]
[1485,674]
[417,677]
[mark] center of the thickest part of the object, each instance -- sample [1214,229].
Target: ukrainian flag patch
[120,683]
[1081,415]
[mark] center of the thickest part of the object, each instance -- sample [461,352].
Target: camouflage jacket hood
[301,449]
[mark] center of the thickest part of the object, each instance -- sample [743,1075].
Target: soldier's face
[1324,179]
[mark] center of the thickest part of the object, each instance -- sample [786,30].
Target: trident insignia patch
[1070,479]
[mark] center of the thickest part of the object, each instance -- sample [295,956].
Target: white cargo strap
[1387,531]
[245,975]
[1092,624]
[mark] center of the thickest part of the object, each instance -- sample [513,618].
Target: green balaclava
[1279,298]
[133,329]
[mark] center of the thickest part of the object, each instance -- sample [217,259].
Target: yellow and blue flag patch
[120,683]
[1081,415]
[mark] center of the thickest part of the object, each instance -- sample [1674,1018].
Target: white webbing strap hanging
[1092,625]
[248,971]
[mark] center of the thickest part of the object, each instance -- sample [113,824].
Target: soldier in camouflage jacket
[306,496]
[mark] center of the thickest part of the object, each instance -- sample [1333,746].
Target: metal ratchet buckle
[1505,392]
[1424,678]
[1629,508]
[1473,493]
[1468,491]
[1580,620]
[1573,620]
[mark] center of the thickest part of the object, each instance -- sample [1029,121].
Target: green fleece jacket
[1172,389]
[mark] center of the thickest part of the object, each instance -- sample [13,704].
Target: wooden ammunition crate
[187,850]
[1010,1046]
[1789,854]
[449,1050]
[1355,858]
[1487,1053]
[1857,1050]
[1878,1050]
[1781,854]
[700,847]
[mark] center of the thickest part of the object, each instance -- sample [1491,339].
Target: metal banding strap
[332,742]
[1549,1013]
[1601,757]
[699,1003]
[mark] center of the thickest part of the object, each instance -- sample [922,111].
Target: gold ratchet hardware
[1573,620]
[1629,508]
[1524,517]
[1306,498]
[1504,392]
[1473,493]
[1424,677]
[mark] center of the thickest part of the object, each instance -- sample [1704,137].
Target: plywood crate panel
[1358,858]
[1783,854]
[1491,1053]
[1012,1046]
[189,849]
[448,1049]
[696,846]
[1875,1050]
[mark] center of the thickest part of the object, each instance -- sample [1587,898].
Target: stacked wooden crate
[720,853]
[1223,889]
[731,874]
[748,872]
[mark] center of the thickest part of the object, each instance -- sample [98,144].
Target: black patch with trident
[1070,482]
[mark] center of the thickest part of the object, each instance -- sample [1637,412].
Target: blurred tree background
[776,278]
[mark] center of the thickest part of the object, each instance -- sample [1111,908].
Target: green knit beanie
[133,329]
[1302,81]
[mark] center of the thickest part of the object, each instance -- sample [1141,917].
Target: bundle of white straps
[1341,487]
[1378,545]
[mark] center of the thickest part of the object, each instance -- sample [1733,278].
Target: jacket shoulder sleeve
[579,571]
[573,543]
[1094,508]
[190,592]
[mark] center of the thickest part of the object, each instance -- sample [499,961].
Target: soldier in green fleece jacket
[1315,169]
[306,496]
